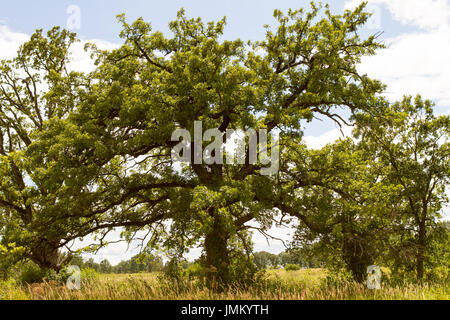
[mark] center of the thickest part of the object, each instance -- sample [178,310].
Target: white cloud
[115,251]
[318,142]
[426,14]
[10,42]
[81,60]
[415,62]
[281,236]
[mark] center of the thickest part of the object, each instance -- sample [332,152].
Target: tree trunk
[420,251]
[217,257]
[47,257]
[359,271]
[356,257]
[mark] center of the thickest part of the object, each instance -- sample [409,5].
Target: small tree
[264,260]
[35,87]
[105,266]
[411,142]
[347,206]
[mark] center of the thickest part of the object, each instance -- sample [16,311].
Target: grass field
[277,285]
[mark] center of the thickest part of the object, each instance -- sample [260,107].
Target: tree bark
[217,257]
[356,256]
[47,257]
[421,251]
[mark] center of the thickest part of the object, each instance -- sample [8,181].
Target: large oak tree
[103,160]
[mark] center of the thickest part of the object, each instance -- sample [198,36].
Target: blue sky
[245,17]
[417,33]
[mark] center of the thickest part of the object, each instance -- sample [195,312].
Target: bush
[292,267]
[195,270]
[89,275]
[31,273]
[337,278]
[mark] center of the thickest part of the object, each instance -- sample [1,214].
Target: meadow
[306,284]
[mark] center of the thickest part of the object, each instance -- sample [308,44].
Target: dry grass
[278,285]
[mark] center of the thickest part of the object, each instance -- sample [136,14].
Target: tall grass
[276,285]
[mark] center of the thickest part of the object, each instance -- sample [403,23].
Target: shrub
[174,270]
[31,273]
[292,267]
[337,278]
[195,270]
[89,275]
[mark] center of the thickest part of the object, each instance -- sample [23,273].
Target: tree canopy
[86,153]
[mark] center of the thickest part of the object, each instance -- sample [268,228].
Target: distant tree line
[266,260]
[152,263]
[137,264]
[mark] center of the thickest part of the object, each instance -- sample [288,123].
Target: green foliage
[243,271]
[292,267]
[264,260]
[89,275]
[10,255]
[35,87]
[153,84]
[411,143]
[337,278]
[301,257]
[195,270]
[85,154]
[376,201]
[31,273]
[438,258]
[343,206]
[143,262]
[174,270]
[10,289]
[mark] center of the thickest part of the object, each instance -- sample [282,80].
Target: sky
[416,60]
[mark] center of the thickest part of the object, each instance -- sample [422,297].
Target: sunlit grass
[307,284]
